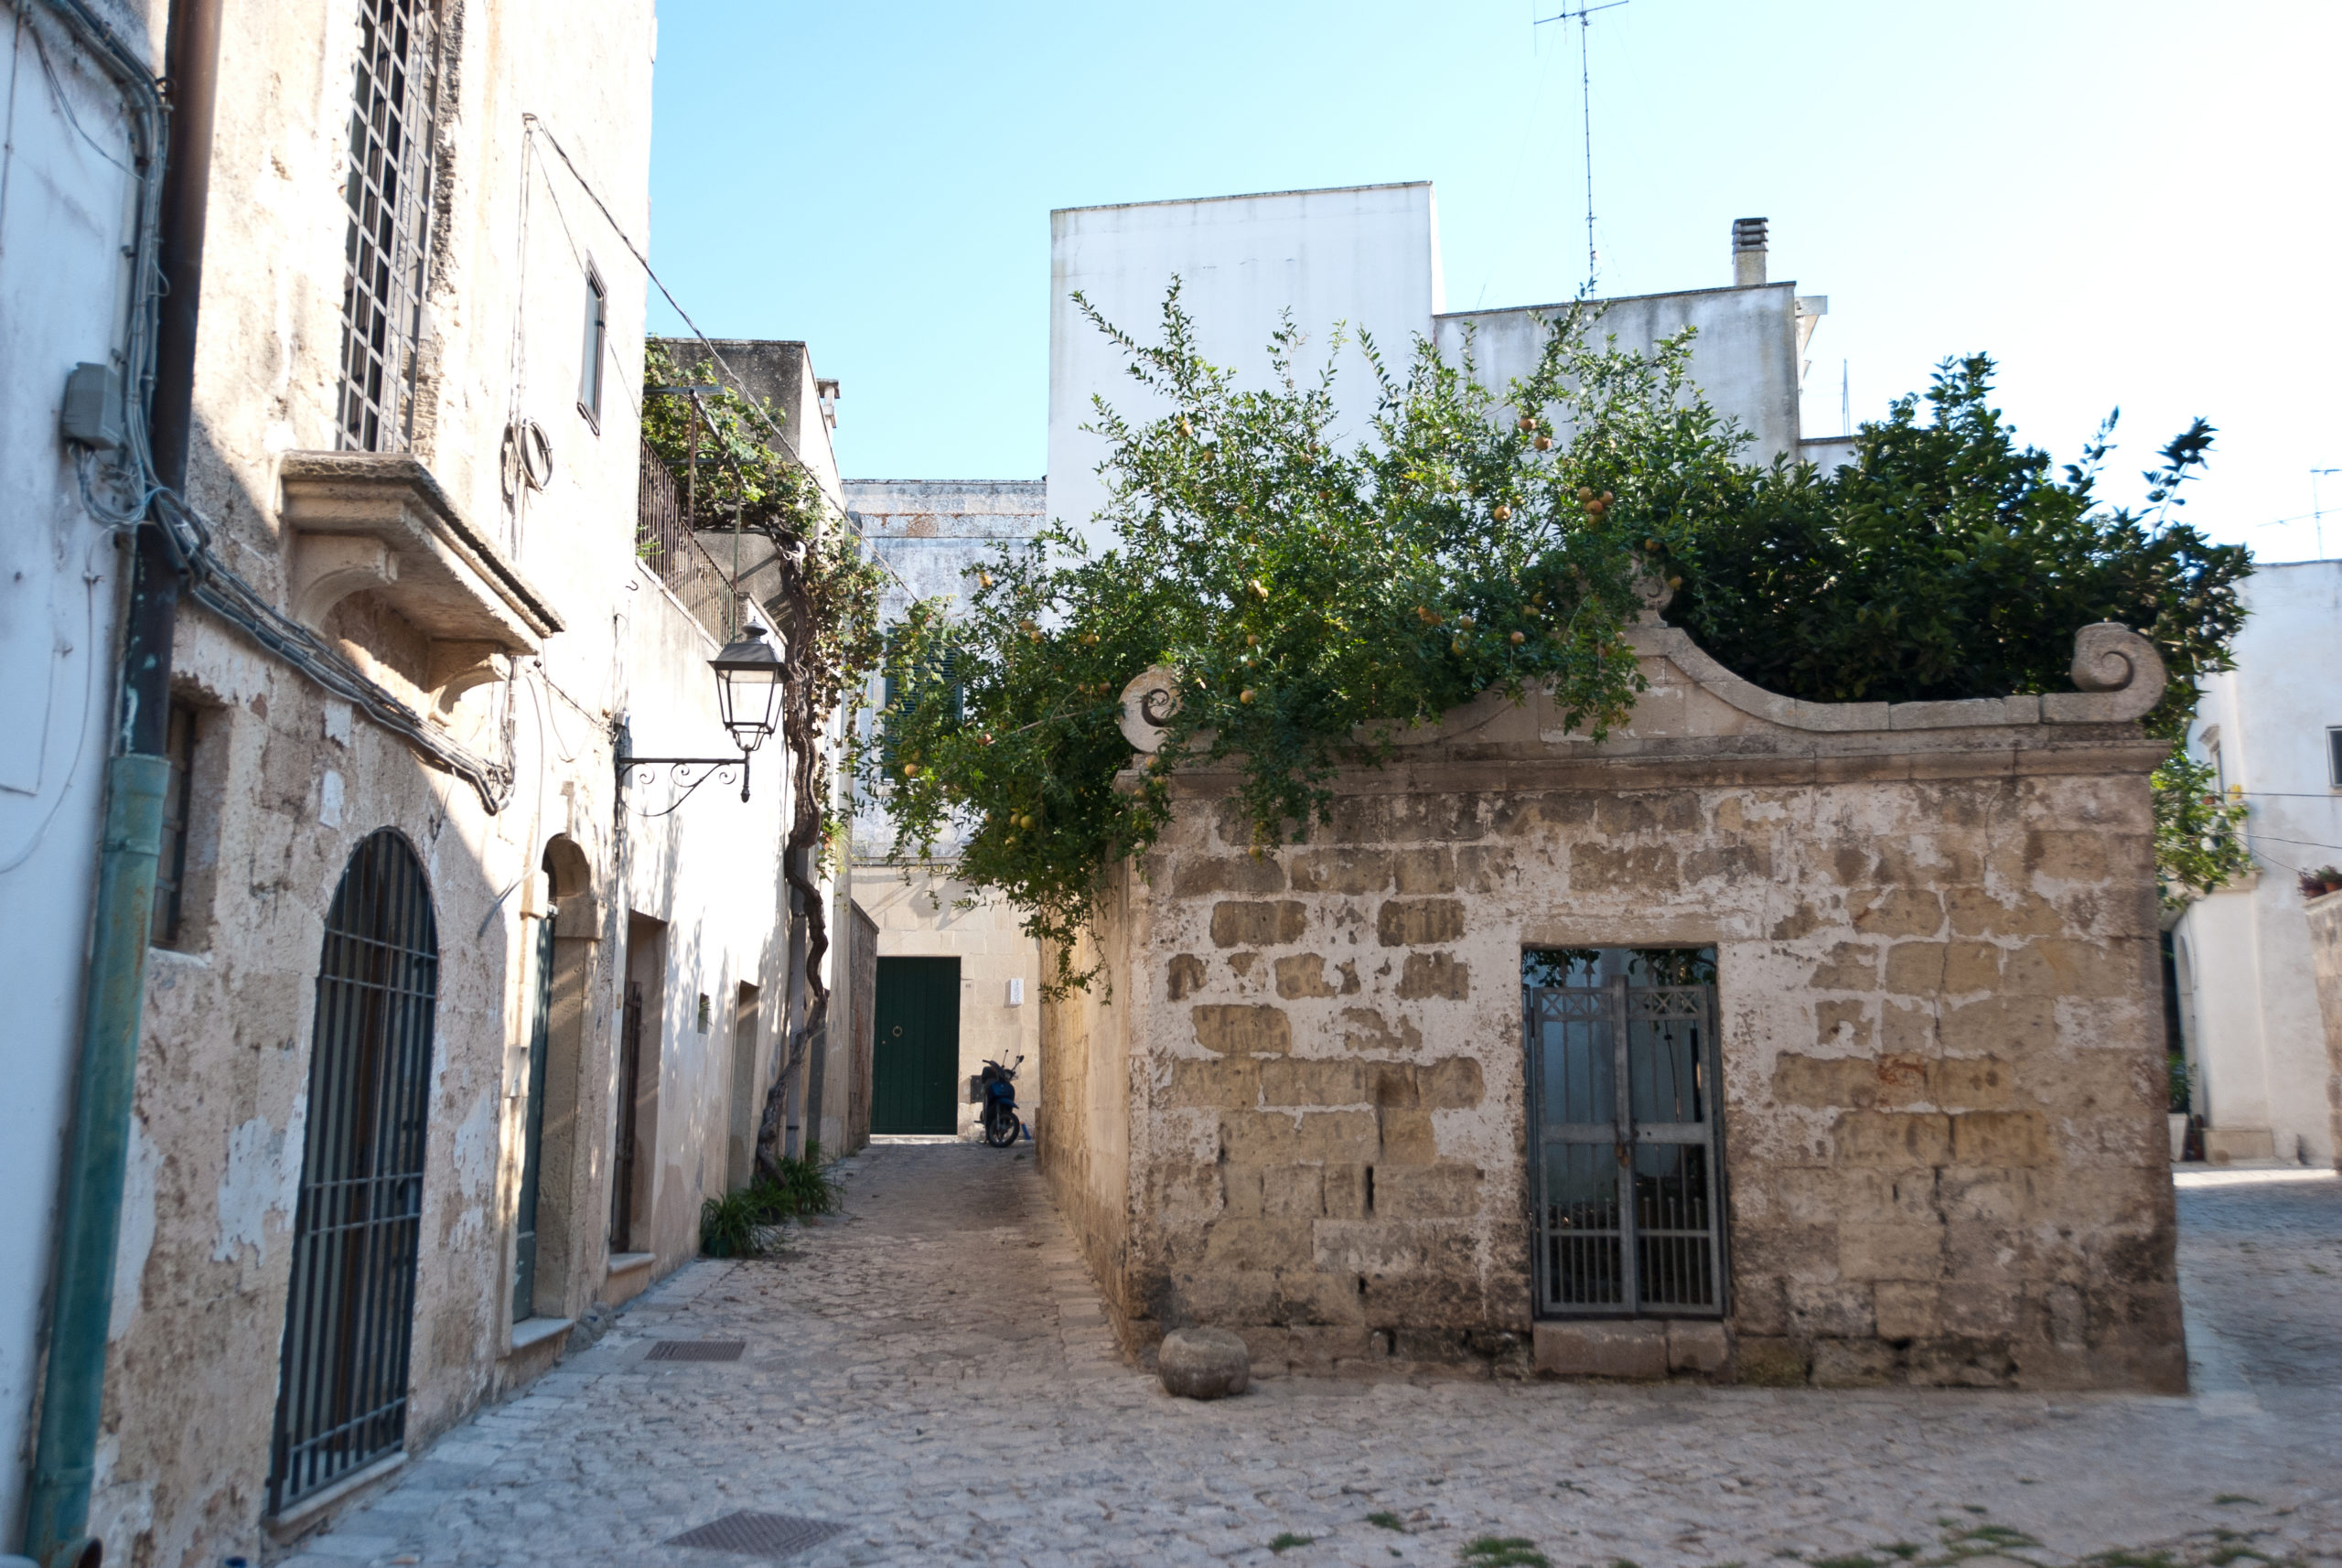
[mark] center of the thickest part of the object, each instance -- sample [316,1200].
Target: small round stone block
[1204,1363]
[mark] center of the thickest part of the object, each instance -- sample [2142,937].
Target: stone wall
[2325,964]
[1935,929]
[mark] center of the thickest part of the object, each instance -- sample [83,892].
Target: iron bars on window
[357,1234]
[387,251]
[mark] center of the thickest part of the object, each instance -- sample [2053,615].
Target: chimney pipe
[1747,253]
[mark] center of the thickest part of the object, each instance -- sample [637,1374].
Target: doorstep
[629,1276]
[298,1518]
[1640,1347]
[536,1331]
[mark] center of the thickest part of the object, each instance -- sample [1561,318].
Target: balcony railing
[664,540]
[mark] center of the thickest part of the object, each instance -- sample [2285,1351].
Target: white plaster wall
[1367,257]
[64,216]
[2257,1031]
[1745,358]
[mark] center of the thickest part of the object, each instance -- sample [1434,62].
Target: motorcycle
[1001,1124]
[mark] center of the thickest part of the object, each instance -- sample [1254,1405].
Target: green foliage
[826,593]
[1287,1540]
[1315,599]
[1504,1551]
[2199,832]
[743,478]
[1386,1520]
[797,1188]
[1946,561]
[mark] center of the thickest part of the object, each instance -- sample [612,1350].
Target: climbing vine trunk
[801,734]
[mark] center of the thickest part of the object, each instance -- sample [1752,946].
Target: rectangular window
[589,366]
[2334,755]
[170,871]
[385,251]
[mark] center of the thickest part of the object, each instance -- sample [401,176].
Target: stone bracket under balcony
[379,522]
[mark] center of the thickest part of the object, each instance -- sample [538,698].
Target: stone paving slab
[932,1369]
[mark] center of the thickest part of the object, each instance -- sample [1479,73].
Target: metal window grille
[1627,1154]
[664,540]
[387,248]
[629,1088]
[170,875]
[349,1321]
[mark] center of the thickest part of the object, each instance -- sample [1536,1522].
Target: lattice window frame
[386,249]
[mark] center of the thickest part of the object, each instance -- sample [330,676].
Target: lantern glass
[747,687]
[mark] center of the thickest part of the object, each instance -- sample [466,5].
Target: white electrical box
[1017,992]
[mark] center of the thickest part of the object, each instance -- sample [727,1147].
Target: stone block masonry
[1938,1010]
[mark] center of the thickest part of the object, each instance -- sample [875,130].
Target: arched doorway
[350,1320]
[532,1127]
[561,954]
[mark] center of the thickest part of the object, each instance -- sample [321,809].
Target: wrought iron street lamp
[748,694]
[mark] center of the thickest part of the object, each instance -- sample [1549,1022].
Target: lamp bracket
[690,772]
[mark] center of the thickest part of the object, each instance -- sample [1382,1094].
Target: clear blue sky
[2126,202]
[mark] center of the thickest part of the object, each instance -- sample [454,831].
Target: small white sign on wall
[1017,992]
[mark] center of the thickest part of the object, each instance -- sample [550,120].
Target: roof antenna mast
[1584,16]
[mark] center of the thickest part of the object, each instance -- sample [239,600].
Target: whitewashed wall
[63,223]
[1366,257]
[2252,1014]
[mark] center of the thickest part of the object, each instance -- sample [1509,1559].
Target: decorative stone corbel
[330,567]
[1148,702]
[1653,590]
[457,667]
[378,522]
[2120,674]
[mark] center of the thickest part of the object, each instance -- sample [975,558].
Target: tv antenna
[1583,16]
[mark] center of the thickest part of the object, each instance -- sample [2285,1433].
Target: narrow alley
[926,1378]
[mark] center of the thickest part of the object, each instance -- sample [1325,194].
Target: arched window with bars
[349,1318]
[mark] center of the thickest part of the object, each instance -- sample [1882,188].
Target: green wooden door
[915,1066]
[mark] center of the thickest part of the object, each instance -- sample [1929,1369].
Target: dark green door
[915,1066]
[532,1142]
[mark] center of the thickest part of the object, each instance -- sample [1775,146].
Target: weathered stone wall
[2325,964]
[1084,1140]
[1938,1004]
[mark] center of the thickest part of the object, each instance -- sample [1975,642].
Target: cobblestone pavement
[932,1371]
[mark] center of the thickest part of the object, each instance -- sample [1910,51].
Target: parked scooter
[999,1114]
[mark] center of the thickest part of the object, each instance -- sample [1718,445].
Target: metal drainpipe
[137,776]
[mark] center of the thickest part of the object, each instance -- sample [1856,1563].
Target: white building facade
[1365,259]
[2262,1078]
